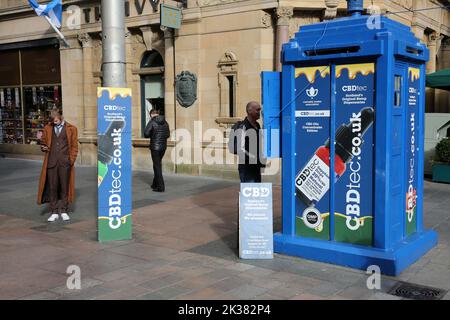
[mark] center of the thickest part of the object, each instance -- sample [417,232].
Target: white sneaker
[65,216]
[53,217]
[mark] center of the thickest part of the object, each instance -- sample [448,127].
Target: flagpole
[58,32]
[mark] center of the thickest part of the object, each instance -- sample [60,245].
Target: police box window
[398,91]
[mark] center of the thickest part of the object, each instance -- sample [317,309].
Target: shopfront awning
[439,79]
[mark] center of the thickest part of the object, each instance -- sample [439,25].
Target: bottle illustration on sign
[106,147]
[313,181]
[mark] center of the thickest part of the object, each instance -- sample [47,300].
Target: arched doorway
[152,85]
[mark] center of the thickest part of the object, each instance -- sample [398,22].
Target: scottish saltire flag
[53,10]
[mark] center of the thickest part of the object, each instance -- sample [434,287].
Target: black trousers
[250,173]
[158,180]
[58,184]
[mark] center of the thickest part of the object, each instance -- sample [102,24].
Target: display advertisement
[114,164]
[312,181]
[355,115]
[255,221]
[412,149]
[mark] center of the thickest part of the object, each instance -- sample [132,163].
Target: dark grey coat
[158,131]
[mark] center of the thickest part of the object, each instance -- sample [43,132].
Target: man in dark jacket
[158,131]
[250,160]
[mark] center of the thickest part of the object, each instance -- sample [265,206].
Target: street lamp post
[113,35]
[114,148]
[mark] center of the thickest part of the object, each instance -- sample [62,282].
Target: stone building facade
[225,43]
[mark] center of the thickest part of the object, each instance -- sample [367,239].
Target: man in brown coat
[57,183]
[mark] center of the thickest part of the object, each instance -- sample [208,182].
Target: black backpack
[233,141]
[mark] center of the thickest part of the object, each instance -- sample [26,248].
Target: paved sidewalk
[184,247]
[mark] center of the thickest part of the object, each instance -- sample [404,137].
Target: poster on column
[354,119]
[114,164]
[312,180]
[412,132]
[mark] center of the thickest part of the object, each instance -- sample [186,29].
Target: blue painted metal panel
[421,146]
[271,104]
[312,171]
[383,101]
[288,97]
[332,151]
[391,262]
[397,159]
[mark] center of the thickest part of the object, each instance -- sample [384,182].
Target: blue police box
[349,104]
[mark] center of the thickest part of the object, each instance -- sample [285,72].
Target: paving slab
[184,246]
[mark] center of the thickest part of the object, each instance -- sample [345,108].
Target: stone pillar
[445,53]
[88,108]
[129,77]
[418,26]
[445,48]
[442,103]
[169,91]
[431,67]
[432,46]
[169,80]
[72,82]
[284,14]
[419,31]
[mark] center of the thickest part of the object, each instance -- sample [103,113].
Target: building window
[152,59]
[11,122]
[228,85]
[152,85]
[231,97]
[30,86]
[38,102]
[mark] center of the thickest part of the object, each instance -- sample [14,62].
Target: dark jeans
[250,173]
[158,180]
[58,182]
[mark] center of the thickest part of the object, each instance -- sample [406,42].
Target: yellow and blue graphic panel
[114,164]
[312,181]
[354,118]
[412,150]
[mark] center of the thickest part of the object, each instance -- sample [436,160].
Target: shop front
[30,86]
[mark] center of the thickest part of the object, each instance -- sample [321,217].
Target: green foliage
[443,150]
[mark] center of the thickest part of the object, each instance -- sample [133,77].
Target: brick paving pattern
[184,246]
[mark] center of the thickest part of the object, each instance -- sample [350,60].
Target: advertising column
[312,159]
[353,200]
[114,164]
[412,149]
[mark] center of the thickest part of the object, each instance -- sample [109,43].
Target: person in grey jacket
[158,131]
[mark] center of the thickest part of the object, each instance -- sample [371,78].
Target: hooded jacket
[158,131]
